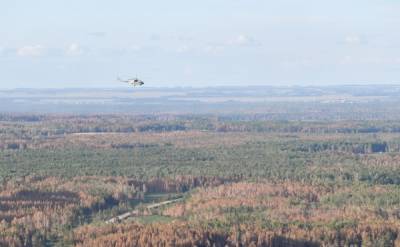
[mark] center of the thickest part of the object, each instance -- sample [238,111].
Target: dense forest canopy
[225,180]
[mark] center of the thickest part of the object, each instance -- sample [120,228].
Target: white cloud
[354,40]
[243,40]
[183,49]
[298,62]
[30,51]
[155,37]
[135,48]
[98,34]
[240,40]
[347,60]
[74,49]
[185,38]
[214,49]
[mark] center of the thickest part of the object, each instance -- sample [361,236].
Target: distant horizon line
[210,86]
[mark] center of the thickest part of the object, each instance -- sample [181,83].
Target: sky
[75,43]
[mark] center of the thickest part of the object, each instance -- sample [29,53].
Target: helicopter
[133,81]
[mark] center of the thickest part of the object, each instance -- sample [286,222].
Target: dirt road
[137,212]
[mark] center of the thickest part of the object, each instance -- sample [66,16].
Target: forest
[197,180]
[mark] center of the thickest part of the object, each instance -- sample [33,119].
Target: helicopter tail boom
[119,79]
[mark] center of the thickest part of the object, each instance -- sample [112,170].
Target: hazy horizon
[145,87]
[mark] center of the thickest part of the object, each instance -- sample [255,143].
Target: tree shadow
[289,242]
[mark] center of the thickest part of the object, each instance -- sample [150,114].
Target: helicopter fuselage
[134,82]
